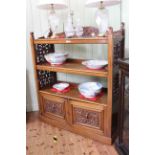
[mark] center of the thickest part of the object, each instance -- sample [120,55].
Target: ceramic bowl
[90,89]
[95,64]
[61,86]
[56,58]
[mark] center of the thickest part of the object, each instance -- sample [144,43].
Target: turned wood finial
[122,26]
[32,35]
[110,31]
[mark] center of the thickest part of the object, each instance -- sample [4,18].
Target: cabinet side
[115,51]
[108,120]
[118,52]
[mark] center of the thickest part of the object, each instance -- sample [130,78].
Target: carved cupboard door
[86,115]
[52,106]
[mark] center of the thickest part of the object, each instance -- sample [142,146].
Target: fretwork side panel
[41,50]
[46,79]
[117,53]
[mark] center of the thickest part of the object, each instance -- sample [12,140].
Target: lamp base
[102,20]
[53,22]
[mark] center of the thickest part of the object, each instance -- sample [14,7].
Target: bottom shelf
[74,94]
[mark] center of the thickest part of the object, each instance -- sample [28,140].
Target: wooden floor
[44,139]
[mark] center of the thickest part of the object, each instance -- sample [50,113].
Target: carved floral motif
[46,78]
[54,107]
[86,117]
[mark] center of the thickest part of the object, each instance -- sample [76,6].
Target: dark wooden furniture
[122,142]
[93,119]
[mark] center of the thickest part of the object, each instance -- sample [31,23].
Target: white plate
[95,64]
[61,86]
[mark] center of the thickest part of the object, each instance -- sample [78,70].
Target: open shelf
[82,40]
[74,66]
[96,40]
[75,95]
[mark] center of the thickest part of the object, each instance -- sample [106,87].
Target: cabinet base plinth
[64,125]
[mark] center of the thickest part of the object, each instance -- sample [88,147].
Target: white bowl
[56,58]
[95,64]
[61,86]
[90,89]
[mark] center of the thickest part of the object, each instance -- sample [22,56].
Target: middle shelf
[73,66]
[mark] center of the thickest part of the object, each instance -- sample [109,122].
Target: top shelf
[85,39]
[96,40]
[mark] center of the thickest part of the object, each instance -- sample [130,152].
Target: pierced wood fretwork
[87,117]
[41,50]
[46,79]
[117,53]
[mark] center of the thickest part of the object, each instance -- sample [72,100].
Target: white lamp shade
[96,3]
[57,4]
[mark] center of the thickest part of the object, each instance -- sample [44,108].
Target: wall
[37,22]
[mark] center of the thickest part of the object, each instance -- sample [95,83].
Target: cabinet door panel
[53,106]
[85,115]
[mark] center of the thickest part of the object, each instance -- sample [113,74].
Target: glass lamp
[102,15]
[69,25]
[53,18]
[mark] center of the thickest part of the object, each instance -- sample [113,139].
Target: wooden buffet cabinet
[93,119]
